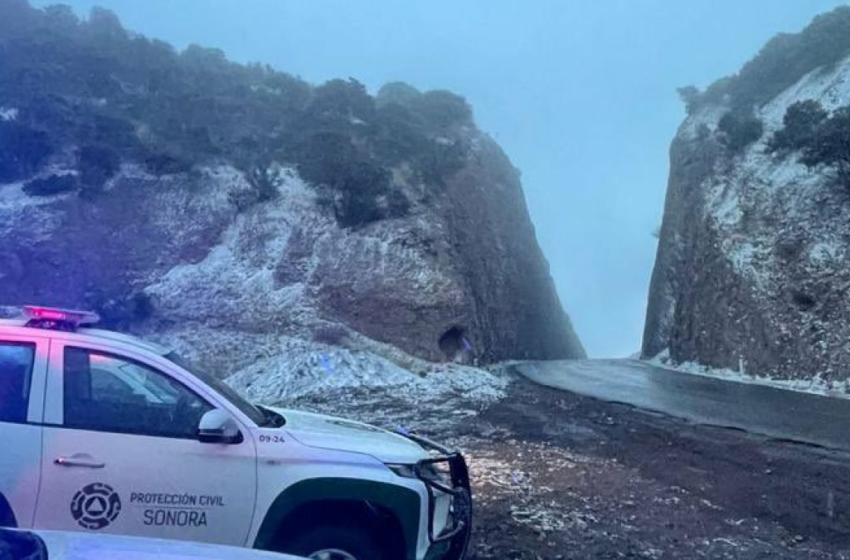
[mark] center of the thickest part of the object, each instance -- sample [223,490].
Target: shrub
[690,96]
[785,59]
[121,312]
[332,161]
[165,163]
[265,180]
[441,160]
[823,139]
[739,130]
[800,125]
[830,144]
[257,163]
[141,306]
[358,203]
[342,99]
[111,131]
[330,333]
[398,93]
[97,164]
[122,97]
[444,109]
[397,204]
[22,150]
[402,135]
[324,158]
[51,185]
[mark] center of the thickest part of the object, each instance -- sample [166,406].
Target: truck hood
[328,432]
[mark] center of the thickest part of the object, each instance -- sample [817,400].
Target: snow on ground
[293,372]
[829,85]
[706,118]
[304,368]
[237,277]
[18,207]
[368,387]
[815,385]
[8,114]
[826,252]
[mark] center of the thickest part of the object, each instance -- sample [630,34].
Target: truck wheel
[336,542]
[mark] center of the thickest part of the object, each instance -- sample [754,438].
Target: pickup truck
[103,432]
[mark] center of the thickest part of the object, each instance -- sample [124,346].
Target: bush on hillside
[739,131]
[51,185]
[342,100]
[821,138]
[332,160]
[397,205]
[122,97]
[444,109]
[801,121]
[830,144]
[358,202]
[97,164]
[784,60]
[22,151]
[690,96]
[397,93]
[166,163]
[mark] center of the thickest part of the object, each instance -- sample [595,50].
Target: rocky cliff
[317,214]
[753,265]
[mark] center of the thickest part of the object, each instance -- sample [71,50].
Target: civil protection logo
[95,506]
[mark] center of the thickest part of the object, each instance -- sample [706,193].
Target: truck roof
[84,334]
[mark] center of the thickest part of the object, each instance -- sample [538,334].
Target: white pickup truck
[103,432]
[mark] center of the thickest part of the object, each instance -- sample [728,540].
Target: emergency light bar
[58,319]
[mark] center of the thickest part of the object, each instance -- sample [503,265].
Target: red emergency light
[58,319]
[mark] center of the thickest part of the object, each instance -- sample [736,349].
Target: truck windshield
[254,413]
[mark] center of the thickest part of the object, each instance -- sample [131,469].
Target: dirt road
[560,476]
[563,476]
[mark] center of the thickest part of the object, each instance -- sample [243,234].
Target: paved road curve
[777,413]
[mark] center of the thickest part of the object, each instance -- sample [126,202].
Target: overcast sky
[580,93]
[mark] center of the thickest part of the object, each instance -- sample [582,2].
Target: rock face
[753,265]
[227,207]
[462,275]
[466,275]
[309,244]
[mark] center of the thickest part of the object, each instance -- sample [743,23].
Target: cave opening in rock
[455,345]
[803,300]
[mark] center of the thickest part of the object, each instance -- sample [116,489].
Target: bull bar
[457,532]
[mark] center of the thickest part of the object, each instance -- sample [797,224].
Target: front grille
[447,473]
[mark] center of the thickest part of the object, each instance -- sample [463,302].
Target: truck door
[125,457]
[23,366]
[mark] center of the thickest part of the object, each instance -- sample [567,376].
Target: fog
[581,95]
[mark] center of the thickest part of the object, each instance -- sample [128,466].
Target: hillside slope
[236,210]
[753,264]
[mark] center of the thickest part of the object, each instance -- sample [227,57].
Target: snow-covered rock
[9,114]
[815,385]
[754,259]
[254,289]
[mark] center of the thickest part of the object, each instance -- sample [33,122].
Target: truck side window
[107,393]
[16,361]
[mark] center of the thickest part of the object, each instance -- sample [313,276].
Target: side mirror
[217,426]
